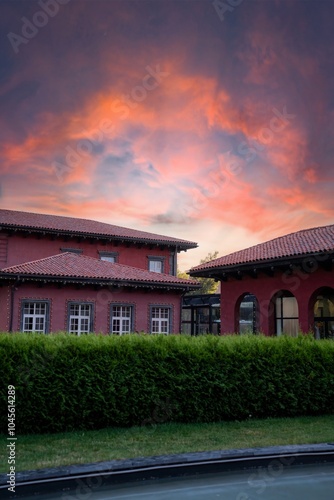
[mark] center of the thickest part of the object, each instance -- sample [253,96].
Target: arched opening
[322,303]
[286,313]
[246,314]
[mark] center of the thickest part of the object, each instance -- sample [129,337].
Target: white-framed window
[108,256]
[80,317]
[35,316]
[156,264]
[160,319]
[121,319]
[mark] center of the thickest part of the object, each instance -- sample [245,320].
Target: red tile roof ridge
[72,265]
[77,225]
[302,242]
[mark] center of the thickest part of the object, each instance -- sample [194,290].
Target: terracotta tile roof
[80,267]
[307,241]
[73,225]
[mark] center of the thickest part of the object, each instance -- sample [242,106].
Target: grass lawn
[52,450]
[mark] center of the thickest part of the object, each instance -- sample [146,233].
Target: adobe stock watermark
[11,445]
[264,476]
[291,280]
[161,414]
[85,147]
[278,122]
[31,27]
[87,487]
[152,79]
[222,7]
[38,362]
[227,169]
[105,297]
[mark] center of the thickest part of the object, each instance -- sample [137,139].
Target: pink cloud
[181,129]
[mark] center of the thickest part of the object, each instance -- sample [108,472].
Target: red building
[290,280]
[63,273]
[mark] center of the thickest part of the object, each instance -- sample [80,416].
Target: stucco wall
[22,249]
[264,287]
[4,308]
[101,299]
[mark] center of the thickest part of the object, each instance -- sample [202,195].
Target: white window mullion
[80,318]
[34,317]
[121,319]
[160,320]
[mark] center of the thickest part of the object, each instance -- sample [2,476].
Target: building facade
[290,281]
[77,275]
[201,314]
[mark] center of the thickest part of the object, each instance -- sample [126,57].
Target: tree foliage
[208,285]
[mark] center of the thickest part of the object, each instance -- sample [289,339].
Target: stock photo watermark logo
[161,414]
[265,476]
[223,7]
[11,445]
[292,279]
[297,274]
[25,379]
[278,122]
[227,169]
[38,362]
[151,81]
[40,19]
[85,488]
[85,147]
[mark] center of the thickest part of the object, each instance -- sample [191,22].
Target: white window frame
[156,264]
[35,315]
[160,319]
[121,314]
[81,317]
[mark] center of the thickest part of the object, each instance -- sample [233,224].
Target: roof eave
[179,245]
[262,265]
[68,280]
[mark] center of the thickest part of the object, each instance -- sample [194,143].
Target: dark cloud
[170,145]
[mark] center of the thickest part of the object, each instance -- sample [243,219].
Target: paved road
[304,482]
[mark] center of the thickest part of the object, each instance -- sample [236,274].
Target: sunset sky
[204,121]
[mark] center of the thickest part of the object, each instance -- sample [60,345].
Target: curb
[235,458]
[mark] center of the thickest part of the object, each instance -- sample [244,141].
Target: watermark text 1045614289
[11,440]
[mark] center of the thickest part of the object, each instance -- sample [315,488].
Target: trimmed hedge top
[64,382]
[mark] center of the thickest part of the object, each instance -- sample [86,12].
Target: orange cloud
[179,129]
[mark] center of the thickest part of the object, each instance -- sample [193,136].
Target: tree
[208,285]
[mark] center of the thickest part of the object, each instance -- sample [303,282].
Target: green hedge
[65,382]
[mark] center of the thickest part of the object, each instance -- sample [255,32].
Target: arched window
[248,314]
[324,314]
[286,314]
